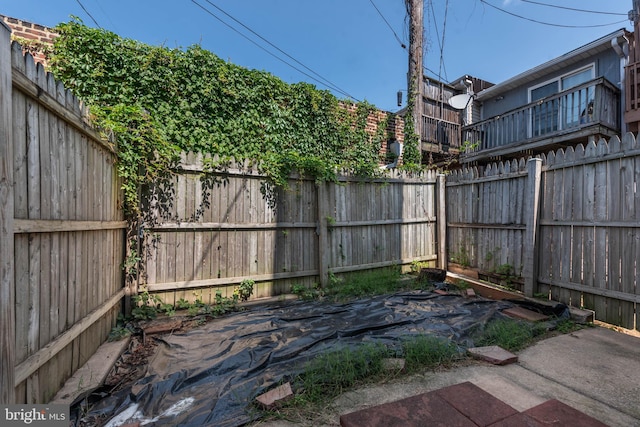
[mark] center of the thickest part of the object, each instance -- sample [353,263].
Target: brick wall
[34,38]
[395,126]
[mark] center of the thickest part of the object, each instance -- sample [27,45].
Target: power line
[440,43]
[105,14]
[323,81]
[404,46]
[548,23]
[574,9]
[435,23]
[87,12]
[444,30]
[431,71]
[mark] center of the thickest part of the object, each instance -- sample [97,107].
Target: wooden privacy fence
[568,223]
[223,228]
[486,222]
[61,232]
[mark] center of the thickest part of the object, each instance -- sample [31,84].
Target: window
[577,107]
[544,115]
[565,112]
[575,79]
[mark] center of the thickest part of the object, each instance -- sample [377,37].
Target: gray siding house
[566,101]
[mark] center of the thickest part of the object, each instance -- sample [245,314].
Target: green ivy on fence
[158,102]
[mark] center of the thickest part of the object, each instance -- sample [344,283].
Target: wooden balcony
[440,136]
[567,118]
[632,96]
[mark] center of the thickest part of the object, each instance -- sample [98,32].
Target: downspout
[621,47]
[468,109]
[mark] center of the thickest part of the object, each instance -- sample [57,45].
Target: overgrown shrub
[158,101]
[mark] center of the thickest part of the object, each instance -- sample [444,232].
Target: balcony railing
[632,94]
[443,133]
[596,102]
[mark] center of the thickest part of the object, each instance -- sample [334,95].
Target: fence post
[322,231]
[532,207]
[441,219]
[7,291]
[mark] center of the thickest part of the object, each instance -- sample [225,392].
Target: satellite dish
[460,102]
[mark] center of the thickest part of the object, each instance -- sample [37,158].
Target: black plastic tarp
[210,375]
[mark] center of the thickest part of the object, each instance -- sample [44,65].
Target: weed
[461,284]
[306,294]
[566,326]
[332,373]
[334,280]
[119,332]
[416,266]
[123,329]
[182,304]
[461,257]
[193,311]
[168,309]
[541,295]
[244,290]
[356,285]
[509,334]
[146,306]
[423,351]
[488,257]
[505,270]
[508,275]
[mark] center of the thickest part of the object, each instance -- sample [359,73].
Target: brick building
[35,39]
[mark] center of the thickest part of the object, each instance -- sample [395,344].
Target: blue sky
[347,42]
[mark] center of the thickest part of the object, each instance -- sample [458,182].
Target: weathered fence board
[234,232]
[485,218]
[587,234]
[7,260]
[66,232]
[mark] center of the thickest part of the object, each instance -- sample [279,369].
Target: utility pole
[415,9]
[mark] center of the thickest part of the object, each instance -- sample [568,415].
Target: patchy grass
[428,352]
[512,335]
[335,372]
[332,373]
[362,284]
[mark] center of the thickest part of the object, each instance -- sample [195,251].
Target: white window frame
[558,80]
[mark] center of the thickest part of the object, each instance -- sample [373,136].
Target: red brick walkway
[465,405]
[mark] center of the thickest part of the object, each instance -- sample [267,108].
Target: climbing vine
[158,102]
[412,157]
[34,47]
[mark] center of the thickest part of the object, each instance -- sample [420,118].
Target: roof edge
[506,84]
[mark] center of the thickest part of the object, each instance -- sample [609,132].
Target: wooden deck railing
[632,92]
[441,132]
[596,102]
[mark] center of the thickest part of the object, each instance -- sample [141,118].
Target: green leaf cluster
[158,101]
[412,156]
